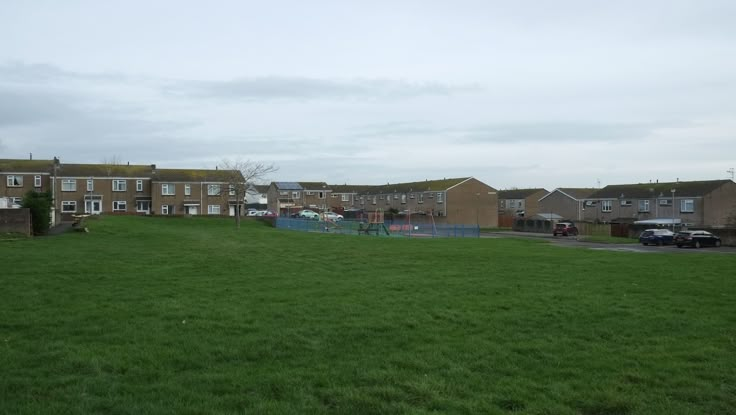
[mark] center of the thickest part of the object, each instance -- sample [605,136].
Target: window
[119,206]
[68,206]
[231,190]
[420,198]
[187,189]
[403,198]
[16,201]
[68,185]
[213,209]
[626,203]
[167,209]
[167,189]
[295,195]
[119,185]
[439,197]
[142,206]
[322,195]
[396,197]
[283,193]
[503,204]
[36,181]
[139,185]
[345,197]
[687,206]
[388,199]
[90,185]
[512,204]
[15,181]
[362,200]
[606,205]
[374,200]
[665,202]
[643,206]
[213,190]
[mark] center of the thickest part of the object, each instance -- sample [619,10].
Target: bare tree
[111,164]
[239,175]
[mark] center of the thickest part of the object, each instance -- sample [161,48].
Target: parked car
[696,239]
[657,237]
[269,214]
[565,229]
[335,217]
[251,212]
[307,214]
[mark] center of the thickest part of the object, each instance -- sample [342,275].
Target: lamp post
[673,209]
[477,210]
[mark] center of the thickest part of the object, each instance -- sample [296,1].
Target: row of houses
[709,203]
[146,189]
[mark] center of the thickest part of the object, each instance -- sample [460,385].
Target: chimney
[128,164]
[153,169]
[56,161]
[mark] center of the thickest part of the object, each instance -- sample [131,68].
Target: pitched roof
[349,188]
[26,166]
[197,175]
[651,190]
[577,193]
[314,185]
[425,186]
[519,193]
[287,185]
[103,170]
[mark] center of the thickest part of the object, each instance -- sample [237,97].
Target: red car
[565,229]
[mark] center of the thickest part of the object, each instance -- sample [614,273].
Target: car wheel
[718,243]
[659,243]
[697,244]
[645,244]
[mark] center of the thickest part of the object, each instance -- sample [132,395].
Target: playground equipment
[375,224]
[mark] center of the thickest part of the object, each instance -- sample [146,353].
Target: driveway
[571,241]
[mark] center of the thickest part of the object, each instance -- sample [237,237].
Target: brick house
[452,201]
[289,197]
[195,192]
[346,196]
[520,202]
[566,203]
[696,203]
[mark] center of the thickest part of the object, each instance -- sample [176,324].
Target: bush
[40,205]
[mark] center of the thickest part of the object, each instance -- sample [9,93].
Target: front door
[191,210]
[93,207]
[232,210]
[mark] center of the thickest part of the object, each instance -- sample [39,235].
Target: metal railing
[351,227]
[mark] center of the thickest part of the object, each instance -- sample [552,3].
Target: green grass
[190,316]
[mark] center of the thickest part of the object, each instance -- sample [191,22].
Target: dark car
[565,229]
[657,237]
[697,239]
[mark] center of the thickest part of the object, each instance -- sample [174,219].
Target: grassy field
[190,316]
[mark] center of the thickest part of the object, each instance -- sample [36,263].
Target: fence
[395,229]
[16,221]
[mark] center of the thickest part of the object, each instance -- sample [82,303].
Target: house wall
[472,203]
[657,210]
[102,187]
[562,205]
[720,206]
[198,196]
[28,184]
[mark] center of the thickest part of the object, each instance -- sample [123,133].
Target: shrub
[40,205]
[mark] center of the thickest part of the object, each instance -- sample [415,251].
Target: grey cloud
[280,88]
[31,107]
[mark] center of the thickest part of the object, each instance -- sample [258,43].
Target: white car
[335,217]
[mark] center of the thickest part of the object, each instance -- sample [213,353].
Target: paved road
[571,241]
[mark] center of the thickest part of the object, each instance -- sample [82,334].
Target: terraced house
[463,200]
[695,203]
[122,188]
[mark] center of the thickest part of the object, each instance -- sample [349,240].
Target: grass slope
[189,316]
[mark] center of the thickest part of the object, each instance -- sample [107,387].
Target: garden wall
[16,221]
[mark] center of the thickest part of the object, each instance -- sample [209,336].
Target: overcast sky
[515,93]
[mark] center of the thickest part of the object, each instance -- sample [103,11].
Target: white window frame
[321,195]
[345,198]
[119,206]
[626,203]
[213,209]
[231,190]
[168,189]
[606,205]
[139,185]
[403,198]
[119,185]
[36,181]
[644,205]
[138,204]
[213,190]
[374,200]
[164,209]
[187,189]
[439,197]
[68,185]
[90,185]
[14,180]
[66,204]
[665,202]
[420,198]
[687,206]
[295,195]
[388,199]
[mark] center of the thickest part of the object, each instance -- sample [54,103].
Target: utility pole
[730,171]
